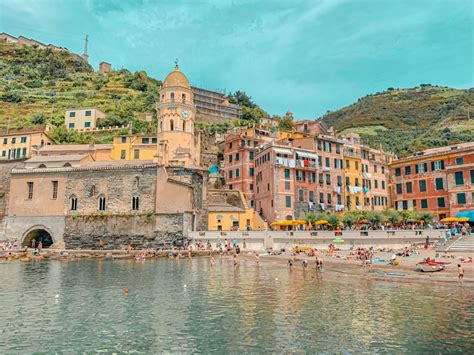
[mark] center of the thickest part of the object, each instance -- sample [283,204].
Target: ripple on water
[222,309]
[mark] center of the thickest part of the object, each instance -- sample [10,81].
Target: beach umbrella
[298,222]
[449,219]
[463,219]
[466,214]
[322,221]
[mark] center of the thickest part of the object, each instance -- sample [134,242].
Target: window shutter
[432,166]
[426,167]
[416,168]
[442,164]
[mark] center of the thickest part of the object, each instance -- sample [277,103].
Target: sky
[305,56]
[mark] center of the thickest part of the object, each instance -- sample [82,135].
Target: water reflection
[73,306]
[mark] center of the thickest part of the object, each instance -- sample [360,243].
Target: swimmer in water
[257,259]
[236,261]
[213,261]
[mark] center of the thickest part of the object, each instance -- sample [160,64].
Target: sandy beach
[407,266]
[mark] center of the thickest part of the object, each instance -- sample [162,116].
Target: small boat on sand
[430,266]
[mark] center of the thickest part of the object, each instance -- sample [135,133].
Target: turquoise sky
[299,55]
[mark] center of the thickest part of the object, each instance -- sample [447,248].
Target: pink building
[240,147]
[311,127]
[285,179]
[330,174]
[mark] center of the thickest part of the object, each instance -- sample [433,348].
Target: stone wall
[118,186]
[119,231]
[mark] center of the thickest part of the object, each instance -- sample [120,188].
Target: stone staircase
[466,244]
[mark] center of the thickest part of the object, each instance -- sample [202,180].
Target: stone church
[73,201]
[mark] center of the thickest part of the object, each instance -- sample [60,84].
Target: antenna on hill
[85,56]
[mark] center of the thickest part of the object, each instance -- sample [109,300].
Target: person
[213,261]
[460,272]
[363,258]
[101,244]
[290,263]
[257,259]
[305,264]
[236,261]
[245,244]
[237,249]
[371,255]
[321,265]
[33,243]
[40,245]
[393,258]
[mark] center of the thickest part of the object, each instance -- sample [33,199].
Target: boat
[430,266]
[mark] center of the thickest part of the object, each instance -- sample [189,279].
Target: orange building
[439,180]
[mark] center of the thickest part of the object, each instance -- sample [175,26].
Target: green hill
[409,120]
[37,86]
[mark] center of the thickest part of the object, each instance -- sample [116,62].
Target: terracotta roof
[48,158]
[73,147]
[224,208]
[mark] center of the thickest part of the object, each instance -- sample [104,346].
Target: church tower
[178,144]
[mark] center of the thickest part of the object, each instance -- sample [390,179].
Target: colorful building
[285,179]
[23,144]
[239,148]
[134,147]
[311,127]
[228,210]
[83,119]
[439,181]
[330,174]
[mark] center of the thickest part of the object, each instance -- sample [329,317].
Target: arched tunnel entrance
[35,236]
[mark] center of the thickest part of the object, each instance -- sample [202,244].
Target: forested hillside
[37,86]
[409,120]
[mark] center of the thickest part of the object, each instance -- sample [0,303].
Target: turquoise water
[79,306]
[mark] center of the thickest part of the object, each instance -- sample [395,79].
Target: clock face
[185,113]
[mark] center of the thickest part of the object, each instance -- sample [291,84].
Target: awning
[283,151]
[308,155]
[468,214]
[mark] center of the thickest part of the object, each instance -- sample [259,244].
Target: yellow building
[98,152]
[22,145]
[353,175]
[134,147]
[83,119]
[229,211]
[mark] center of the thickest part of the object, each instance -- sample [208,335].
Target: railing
[261,240]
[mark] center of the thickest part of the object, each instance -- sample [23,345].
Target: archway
[37,235]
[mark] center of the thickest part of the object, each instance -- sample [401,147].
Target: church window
[73,203]
[102,203]
[172,97]
[171,125]
[135,203]
[183,98]
[184,126]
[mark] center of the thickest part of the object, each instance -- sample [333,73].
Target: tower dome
[176,78]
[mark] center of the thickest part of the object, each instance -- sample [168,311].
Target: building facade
[285,179]
[134,147]
[239,149]
[439,181]
[23,144]
[83,119]
[214,106]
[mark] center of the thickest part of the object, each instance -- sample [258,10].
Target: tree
[376,218]
[286,123]
[241,98]
[350,219]
[333,220]
[392,216]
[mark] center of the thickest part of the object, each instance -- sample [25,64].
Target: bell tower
[178,145]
